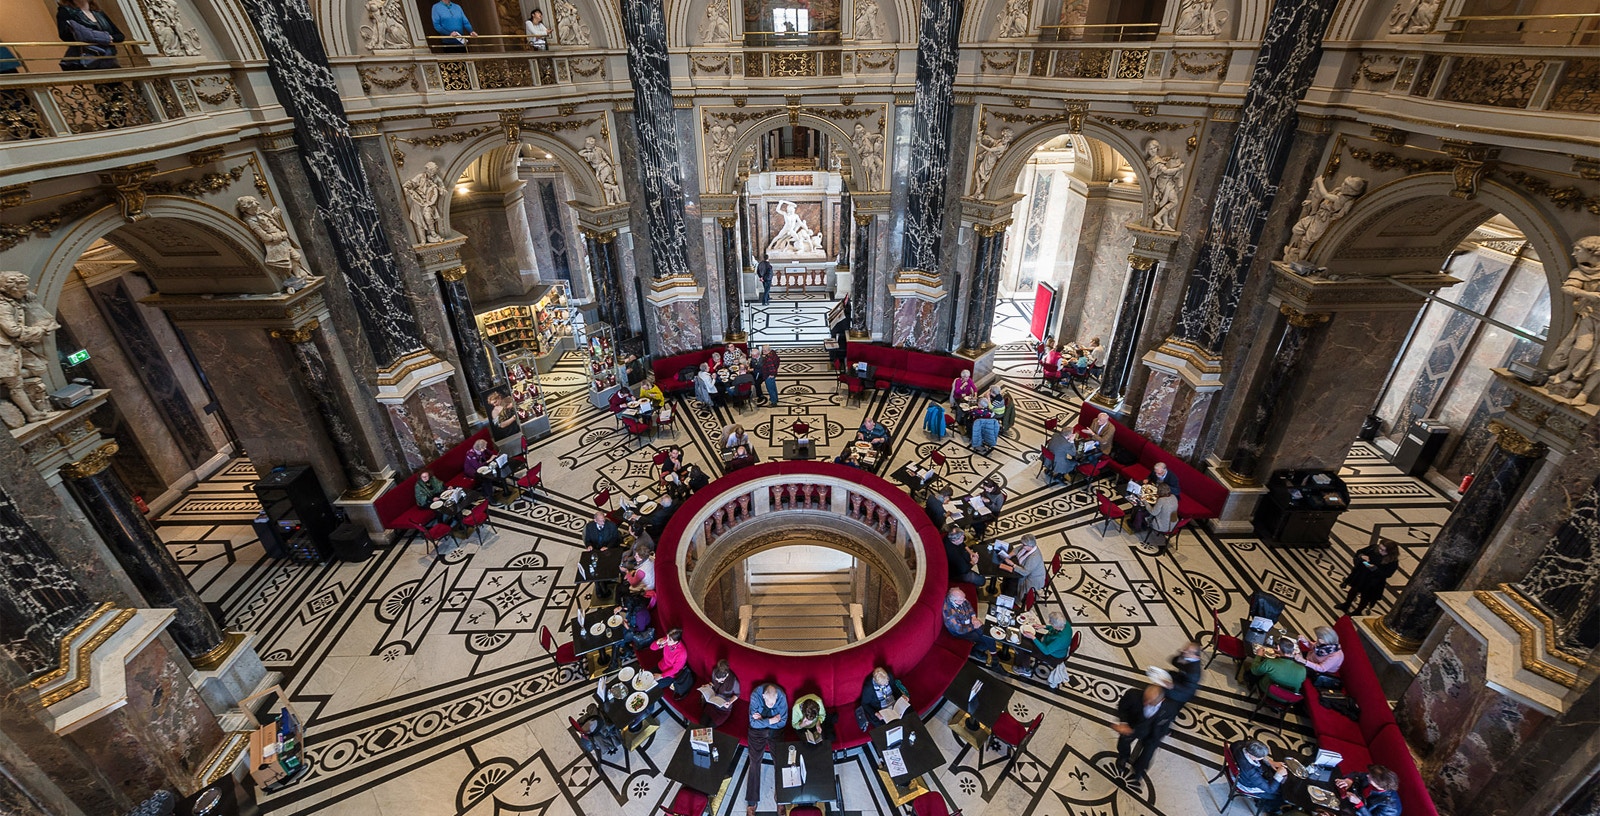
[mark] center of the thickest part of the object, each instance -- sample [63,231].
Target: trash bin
[1421,445]
[350,543]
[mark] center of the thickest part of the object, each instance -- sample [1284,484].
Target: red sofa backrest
[449,465]
[396,500]
[1389,749]
[1361,682]
[1125,438]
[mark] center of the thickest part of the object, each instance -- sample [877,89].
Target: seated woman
[642,578]
[1052,355]
[883,700]
[652,392]
[734,357]
[1053,646]
[810,720]
[962,388]
[720,693]
[1323,656]
[733,436]
[742,457]
[477,456]
[705,386]
[849,458]
[1161,516]
[619,400]
[716,363]
[635,612]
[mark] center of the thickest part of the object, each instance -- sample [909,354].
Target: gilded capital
[864,219]
[298,334]
[1514,442]
[726,221]
[1304,320]
[453,274]
[98,460]
[990,230]
[1140,262]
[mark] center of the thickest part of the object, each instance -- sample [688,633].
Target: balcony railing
[1526,29]
[1099,33]
[38,106]
[45,57]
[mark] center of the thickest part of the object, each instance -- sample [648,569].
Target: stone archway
[729,178]
[1023,146]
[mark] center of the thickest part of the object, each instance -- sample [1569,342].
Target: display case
[1301,507]
[536,326]
[527,394]
[600,361]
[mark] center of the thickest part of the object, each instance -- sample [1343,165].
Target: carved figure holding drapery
[605,171]
[869,147]
[718,148]
[1575,365]
[1200,18]
[23,329]
[869,26]
[281,253]
[990,149]
[1321,208]
[569,29]
[796,238]
[425,192]
[386,26]
[174,36]
[1014,19]
[1413,16]
[1166,185]
[714,28]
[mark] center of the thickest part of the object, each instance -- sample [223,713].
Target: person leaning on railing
[82,22]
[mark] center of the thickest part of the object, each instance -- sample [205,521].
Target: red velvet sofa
[1200,496]
[1374,740]
[915,648]
[397,507]
[917,369]
[667,368]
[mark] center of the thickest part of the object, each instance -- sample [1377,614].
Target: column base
[1522,661]
[1239,512]
[1395,649]
[1177,399]
[236,676]
[358,506]
[982,364]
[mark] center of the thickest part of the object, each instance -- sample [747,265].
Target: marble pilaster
[985,286]
[1461,541]
[861,278]
[1120,356]
[106,502]
[605,268]
[732,274]
[40,600]
[846,208]
[470,347]
[305,342]
[1294,334]
[659,170]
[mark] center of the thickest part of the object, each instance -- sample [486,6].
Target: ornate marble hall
[263,261]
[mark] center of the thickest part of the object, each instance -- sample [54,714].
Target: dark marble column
[732,269]
[938,50]
[1120,355]
[861,279]
[659,167]
[298,68]
[40,600]
[1296,331]
[846,206]
[464,325]
[315,378]
[607,270]
[1461,540]
[1291,49]
[747,253]
[1565,578]
[985,285]
[109,507]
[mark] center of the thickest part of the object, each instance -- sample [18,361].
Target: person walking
[768,368]
[1369,575]
[769,713]
[764,273]
[1144,716]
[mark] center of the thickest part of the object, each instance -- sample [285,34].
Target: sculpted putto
[605,171]
[1014,20]
[282,255]
[1321,208]
[714,28]
[1575,365]
[868,17]
[173,36]
[719,146]
[1413,16]
[23,329]
[1200,18]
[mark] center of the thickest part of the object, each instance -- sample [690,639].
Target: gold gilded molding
[80,680]
[1304,320]
[1548,624]
[1527,638]
[227,753]
[453,274]
[98,460]
[127,187]
[364,493]
[1397,643]
[1472,161]
[1202,360]
[215,657]
[863,219]
[726,221]
[298,334]
[64,657]
[405,365]
[990,230]
[1235,479]
[1140,262]
[1513,441]
[14,196]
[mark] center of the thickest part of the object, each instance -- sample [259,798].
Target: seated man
[1054,644]
[963,562]
[1280,670]
[935,506]
[656,520]
[1372,793]
[994,498]
[1161,516]
[635,612]
[619,400]
[1260,775]
[1160,474]
[1065,452]
[810,720]
[872,432]
[427,489]
[883,700]
[961,621]
[742,457]
[849,458]
[601,533]
[1026,568]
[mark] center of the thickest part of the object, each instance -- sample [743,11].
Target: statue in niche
[990,149]
[1413,16]
[569,29]
[386,26]
[282,256]
[1014,20]
[796,238]
[869,147]
[714,28]
[605,171]
[23,329]
[172,35]
[1200,18]
[869,27]
[425,191]
[1166,185]
[1575,365]
[718,149]
[1321,208]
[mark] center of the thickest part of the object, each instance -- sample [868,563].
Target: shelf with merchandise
[526,392]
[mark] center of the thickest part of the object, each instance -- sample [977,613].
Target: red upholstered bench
[667,368]
[1201,496]
[917,369]
[397,507]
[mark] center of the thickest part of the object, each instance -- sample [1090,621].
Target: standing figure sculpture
[868,27]
[173,36]
[1166,185]
[386,26]
[425,191]
[1413,16]
[869,147]
[569,29]
[714,28]
[1014,20]
[989,152]
[1576,361]
[604,170]
[719,148]
[1321,208]
[1200,18]
[22,363]
[796,237]
[281,253]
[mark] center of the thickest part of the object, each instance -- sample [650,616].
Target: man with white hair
[960,620]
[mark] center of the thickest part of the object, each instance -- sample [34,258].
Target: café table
[792,450]
[615,709]
[915,748]
[992,700]
[503,477]
[601,566]
[868,375]
[704,772]
[1296,791]
[911,478]
[585,641]
[820,782]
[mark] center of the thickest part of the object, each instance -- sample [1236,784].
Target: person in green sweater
[1053,646]
[1282,670]
[427,489]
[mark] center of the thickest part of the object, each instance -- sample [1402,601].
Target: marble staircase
[801,611]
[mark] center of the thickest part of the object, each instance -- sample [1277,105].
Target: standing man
[769,713]
[764,272]
[1185,675]
[767,367]
[450,20]
[1143,717]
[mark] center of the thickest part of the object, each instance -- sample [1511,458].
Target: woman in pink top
[962,388]
[674,659]
[1324,656]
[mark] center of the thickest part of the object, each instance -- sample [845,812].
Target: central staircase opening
[801,598]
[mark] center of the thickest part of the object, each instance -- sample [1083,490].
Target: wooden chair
[477,518]
[932,804]
[1169,540]
[1224,643]
[666,419]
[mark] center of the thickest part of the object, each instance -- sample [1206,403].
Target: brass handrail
[799,33]
[1104,25]
[71,42]
[1581,15]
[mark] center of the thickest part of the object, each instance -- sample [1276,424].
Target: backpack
[933,421]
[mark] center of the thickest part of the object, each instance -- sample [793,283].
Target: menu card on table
[894,762]
[794,776]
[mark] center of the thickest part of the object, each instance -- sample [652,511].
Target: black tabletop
[993,697]
[916,747]
[911,477]
[601,565]
[703,773]
[791,450]
[1296,792]
[583,642]
[820,780]
[616,709]
[988,562]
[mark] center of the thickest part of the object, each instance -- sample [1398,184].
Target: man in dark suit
[601,533]
[764,272]
[1260,775]
[1185,675]
[1144,716]
[935,506]
[656,520]
[1160,474]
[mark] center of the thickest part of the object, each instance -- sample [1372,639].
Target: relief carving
[1166,185]
[386,26]
[1414,16]
[1321,208]
[1200,18]
[24,326]
[172,35]
[869,147]
[714,28]
[869,25]
[1014,20]
[1575,365]
[569,29]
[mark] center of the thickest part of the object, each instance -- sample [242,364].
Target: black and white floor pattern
[789,320]
[426,691]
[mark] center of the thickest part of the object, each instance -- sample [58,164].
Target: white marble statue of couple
[796,239]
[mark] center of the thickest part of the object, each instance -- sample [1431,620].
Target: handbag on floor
[1058,675]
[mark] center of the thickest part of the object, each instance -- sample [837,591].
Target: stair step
[797,633]
[760,599]
[768,623]
[793,580]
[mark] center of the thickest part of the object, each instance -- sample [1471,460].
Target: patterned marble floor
[426,691]
[796,320]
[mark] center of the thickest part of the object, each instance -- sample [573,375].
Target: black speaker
[350,543]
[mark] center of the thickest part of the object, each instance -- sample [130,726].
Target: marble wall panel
[1160,393]
[405,431]
[554,250]
[1398,391]
[678,327]
[1099,274]
[914,323]
[492,253]
[712,303]
[1024,259]
[444,420]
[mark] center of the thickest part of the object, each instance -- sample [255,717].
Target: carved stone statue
[1321,208]
[1014,19]
[424,192]
[990,149]
[386,26]
[172,35]
[282,255]
[1200,18]
[869,147]
[719,147]
[23,329]
[714,28]
[569,29]
[1575,365]
[605,171]
[1166,185]
[1413,16]
[869,25]
[796,238]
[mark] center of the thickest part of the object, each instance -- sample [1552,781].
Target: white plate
[597,629]
[637,702]
[997,633]
[644,680]
[1295,767]
[626,673]
[614,621]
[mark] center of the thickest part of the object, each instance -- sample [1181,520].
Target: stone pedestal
[64,437]
[676,314]
[1183,380]
[1239,512]
[916,296]
[240,674]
